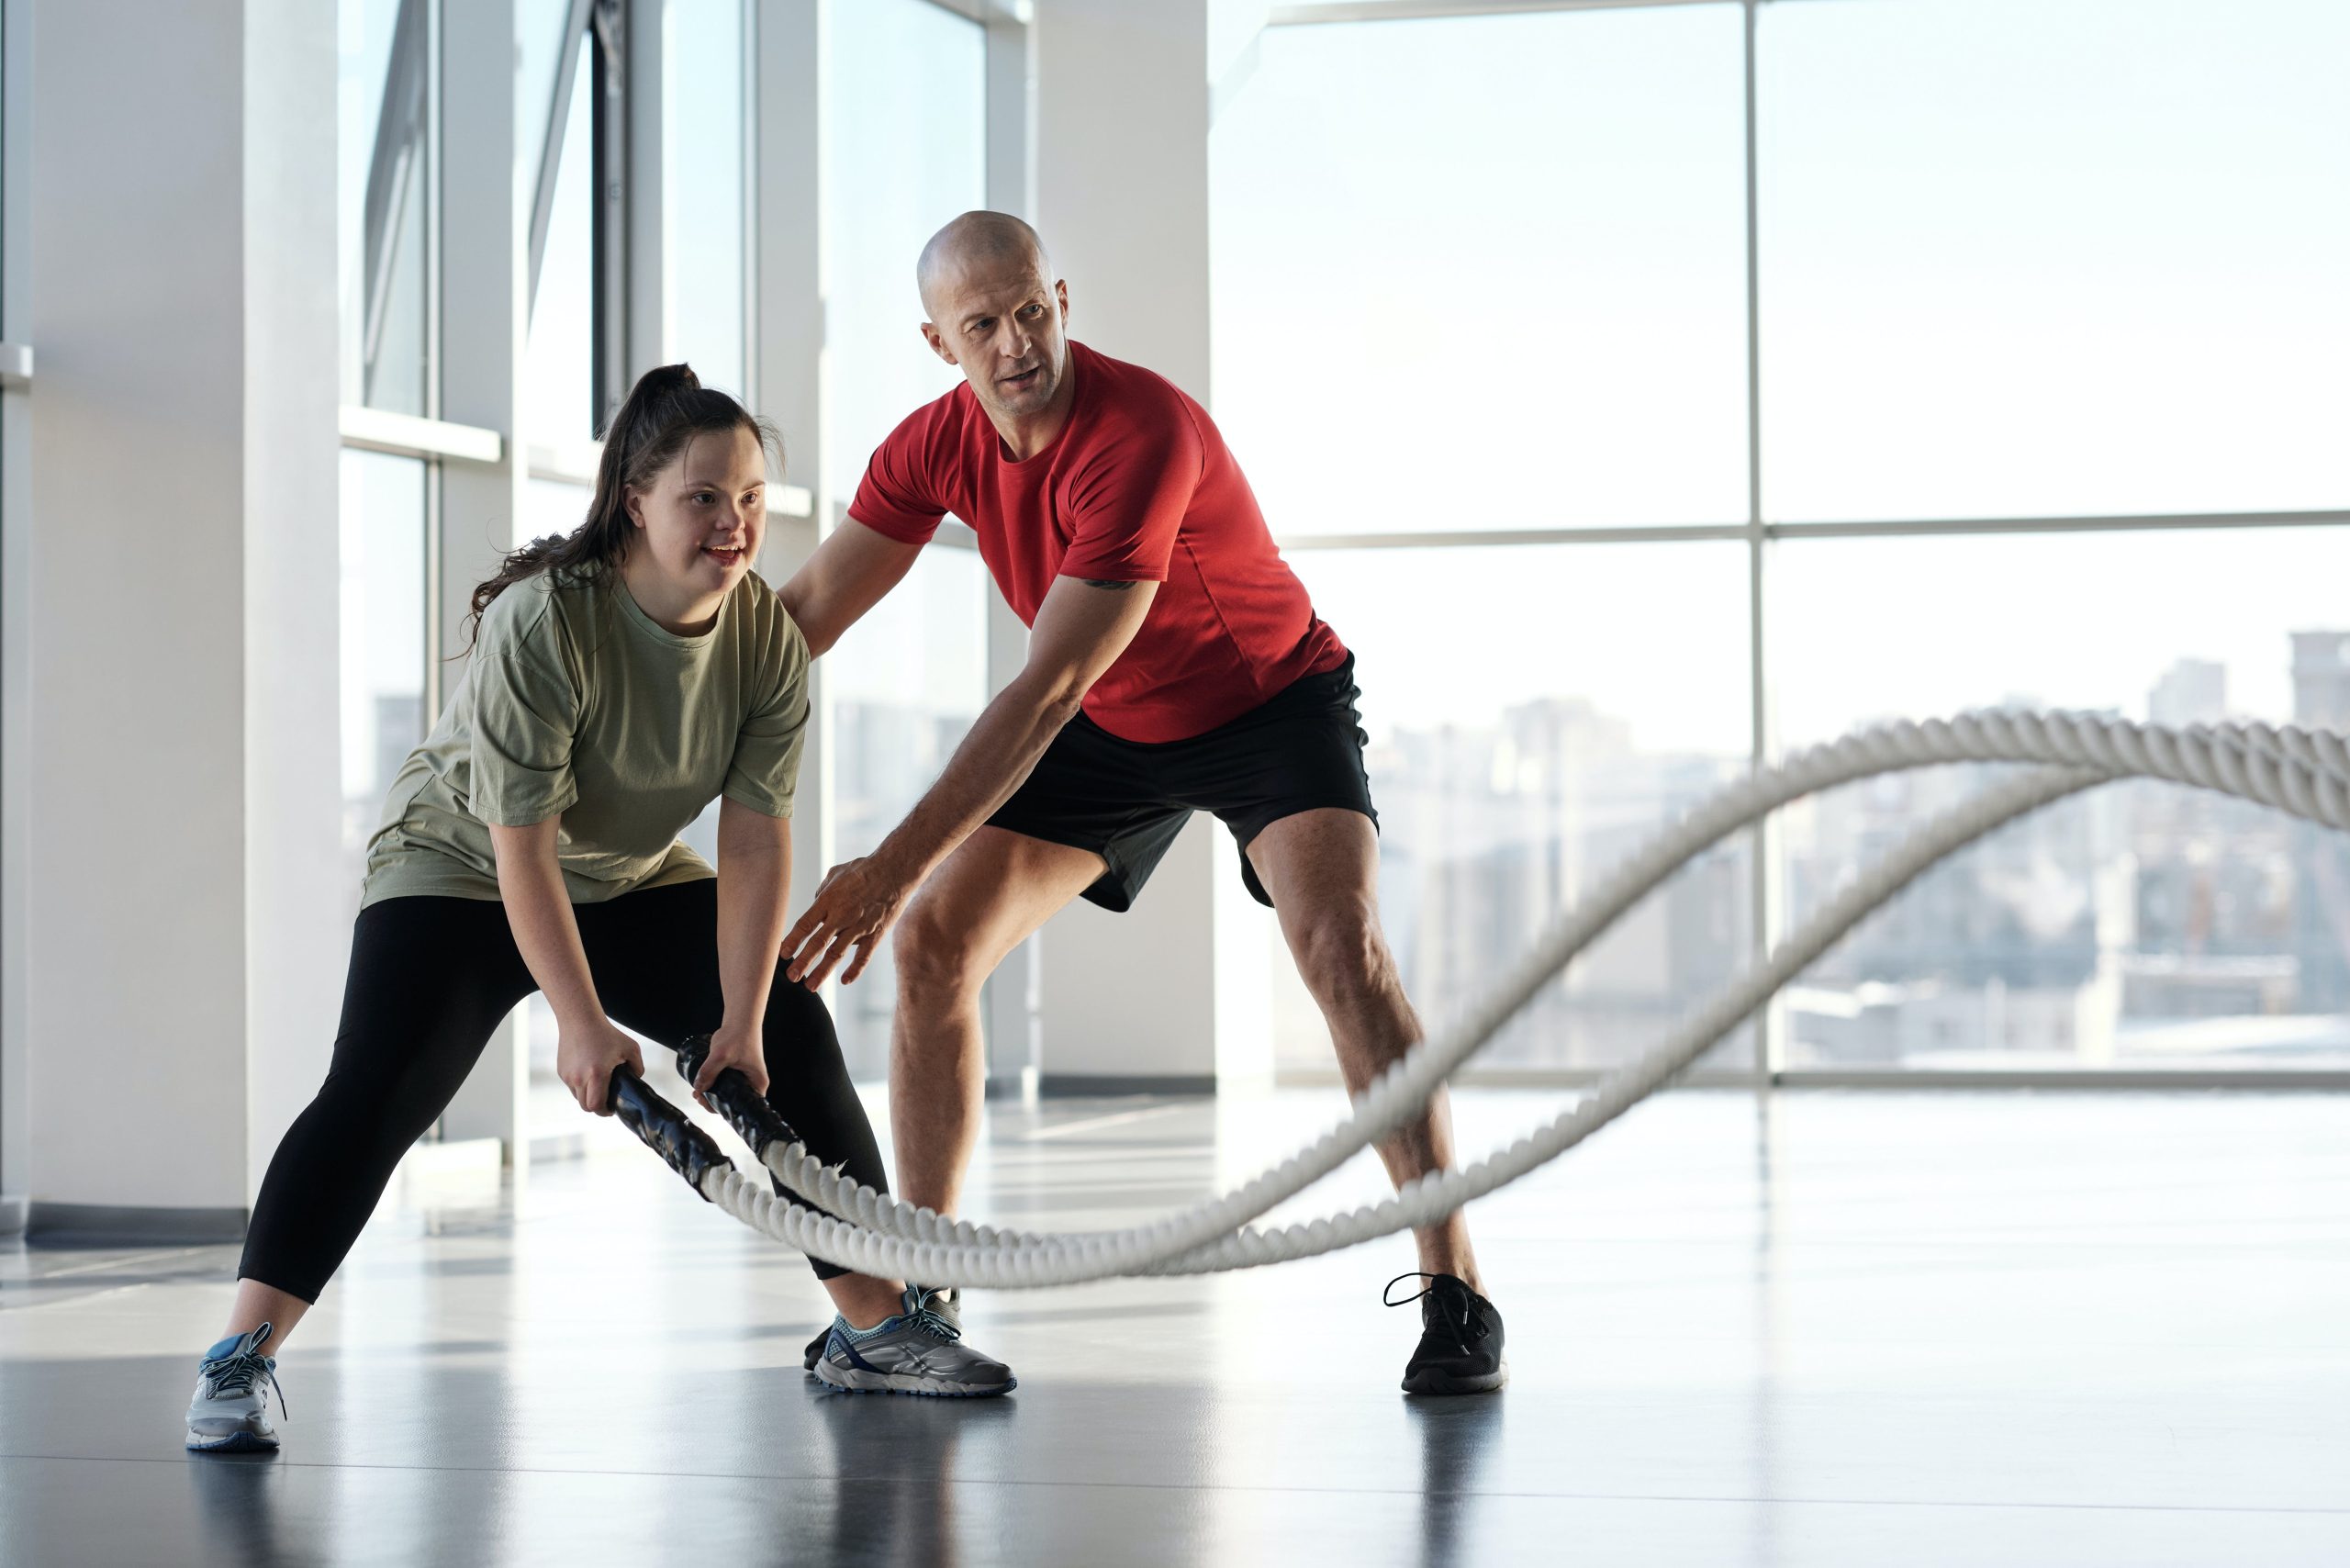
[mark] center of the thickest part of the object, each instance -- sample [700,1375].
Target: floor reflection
[1457,1440]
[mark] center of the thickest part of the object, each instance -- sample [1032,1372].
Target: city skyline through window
[2024,261]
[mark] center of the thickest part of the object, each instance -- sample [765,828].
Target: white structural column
[1015,1043]
[786,221]
[484,319]
[1175,992]
[16,635]
[149,931]
[295,959]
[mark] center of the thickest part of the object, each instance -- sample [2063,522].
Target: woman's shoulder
[767,629]
[545,616]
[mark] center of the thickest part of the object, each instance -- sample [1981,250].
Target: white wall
[1173,989]
[182,467]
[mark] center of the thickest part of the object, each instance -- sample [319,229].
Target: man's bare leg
[989,896]
[1322,867]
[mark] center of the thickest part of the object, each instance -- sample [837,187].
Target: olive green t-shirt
[577,702]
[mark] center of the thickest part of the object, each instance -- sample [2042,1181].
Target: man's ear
[937,342]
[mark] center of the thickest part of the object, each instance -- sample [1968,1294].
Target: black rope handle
[665,1130]
[744,1108]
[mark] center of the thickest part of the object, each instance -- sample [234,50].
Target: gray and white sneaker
[920,1351]
[945,1302]
[229,1413]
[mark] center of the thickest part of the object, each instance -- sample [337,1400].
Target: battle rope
[2305,774]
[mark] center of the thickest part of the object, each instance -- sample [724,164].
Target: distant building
[2192,692]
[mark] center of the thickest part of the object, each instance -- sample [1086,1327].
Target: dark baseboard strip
[12,1215]
[109,1225]
[1075,1085]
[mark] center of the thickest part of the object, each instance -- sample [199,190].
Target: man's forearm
[994,760]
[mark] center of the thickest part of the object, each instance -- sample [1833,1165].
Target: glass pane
[2042,257]
[382,204]
[2141,926]
[539,37]
[904,684]
[558,369]
[702,191]
[554,507]
[1509,783]
[1486,273]
[383,657]
[906,148]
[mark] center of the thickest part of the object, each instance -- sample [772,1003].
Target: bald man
[1176,666]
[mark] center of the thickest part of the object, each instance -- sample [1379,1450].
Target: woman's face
[699,522]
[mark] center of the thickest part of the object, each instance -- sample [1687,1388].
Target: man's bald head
[997,313]
[978,242]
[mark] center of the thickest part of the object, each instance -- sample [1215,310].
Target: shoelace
[238,1375]
[1461,1330]
[930,1322]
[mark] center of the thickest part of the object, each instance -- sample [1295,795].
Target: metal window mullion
[1321,12]
[1762,879]
[608,263]
[1014,1035]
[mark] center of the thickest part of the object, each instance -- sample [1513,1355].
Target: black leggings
[430,979]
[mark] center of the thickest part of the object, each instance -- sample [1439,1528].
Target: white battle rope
[2305,774]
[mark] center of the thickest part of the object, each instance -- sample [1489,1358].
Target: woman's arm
[753,876]
[539,910]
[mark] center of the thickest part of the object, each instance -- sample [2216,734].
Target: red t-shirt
[1138,487]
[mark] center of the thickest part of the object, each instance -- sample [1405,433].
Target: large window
[703,147]
[385,202]
[385,211]
[1486,273]
[905,143]
[1531,721]
[2028,265]
[559,408]
[2140,926]
[383,656]
[2038,257]
[906,148]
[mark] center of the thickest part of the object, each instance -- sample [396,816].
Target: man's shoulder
[1133,400]
[1128,385]
[943,419]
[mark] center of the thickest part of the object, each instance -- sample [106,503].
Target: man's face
[1006,328]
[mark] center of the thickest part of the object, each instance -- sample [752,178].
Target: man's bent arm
[1080,630]
[845,576]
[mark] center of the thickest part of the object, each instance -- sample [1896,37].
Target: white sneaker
[229,1413]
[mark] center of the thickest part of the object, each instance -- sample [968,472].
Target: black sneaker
[948,1304]
[1461,1339]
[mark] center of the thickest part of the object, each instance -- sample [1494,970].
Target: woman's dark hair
[666,408]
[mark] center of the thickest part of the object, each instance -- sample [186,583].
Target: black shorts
[1126,801]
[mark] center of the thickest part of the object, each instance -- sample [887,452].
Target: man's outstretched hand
[854,907]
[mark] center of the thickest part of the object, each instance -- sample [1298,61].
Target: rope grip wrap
[745,1110]
[665,1130]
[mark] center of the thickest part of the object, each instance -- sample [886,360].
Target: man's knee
[1341,954]
[937,966]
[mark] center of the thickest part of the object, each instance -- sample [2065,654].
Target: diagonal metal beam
[574,33]
[392,173]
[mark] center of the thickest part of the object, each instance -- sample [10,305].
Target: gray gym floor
[1864,1327]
